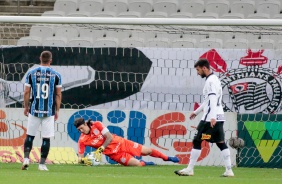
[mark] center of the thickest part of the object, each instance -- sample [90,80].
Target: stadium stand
[63,7]
[80,42]
[240,43]
[132,42]
[181,15]
[156,15]
[66,31]
[270,7]
[210,43]
[26,7]
[233,16]
[246,7]
[106,42]
[129,14]
[92,34]
[116,6]
[158,42]
[55,41]
[193,6]
[141,6]
[258,16]
[90,6]
[227,9]
[30,41]
[184,43]
[167,6]
[42,31]
[54,13]
[218,6]
[262,44]
[207,15]
[105,14]
[78,14]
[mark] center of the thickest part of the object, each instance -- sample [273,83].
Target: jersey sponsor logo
[44,74]
[43,79]
[206,137]
[95,131]
[220,117]
[95,141]
[116,148]
[39,111]
[253,88]
[122,159]
[135,145]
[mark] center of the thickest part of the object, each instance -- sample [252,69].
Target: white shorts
[47,126]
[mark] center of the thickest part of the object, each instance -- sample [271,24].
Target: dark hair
[202,62]
[80,121]
[46,56]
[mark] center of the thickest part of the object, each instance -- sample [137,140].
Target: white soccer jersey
[212,100]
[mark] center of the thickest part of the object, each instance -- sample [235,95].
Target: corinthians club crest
[252,88]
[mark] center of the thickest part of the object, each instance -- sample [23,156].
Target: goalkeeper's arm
[80,156]
[108,139]
[100,150]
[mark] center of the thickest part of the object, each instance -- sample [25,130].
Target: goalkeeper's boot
[228,173]
[42,167]
[185,172]
[25,164]
[173,159]
[148,163]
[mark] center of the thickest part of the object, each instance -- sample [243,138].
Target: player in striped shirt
[44,85]
[210,127]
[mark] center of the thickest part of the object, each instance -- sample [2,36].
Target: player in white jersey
[210,127]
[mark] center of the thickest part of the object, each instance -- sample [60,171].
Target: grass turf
[11,173]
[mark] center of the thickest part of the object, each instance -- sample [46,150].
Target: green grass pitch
[11,173]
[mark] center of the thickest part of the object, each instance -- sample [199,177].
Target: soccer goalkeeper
[121,150]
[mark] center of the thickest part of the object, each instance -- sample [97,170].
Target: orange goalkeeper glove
[98,153]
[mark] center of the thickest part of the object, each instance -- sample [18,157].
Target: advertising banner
[170,132]
[262,135]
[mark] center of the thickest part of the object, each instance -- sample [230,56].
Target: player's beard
[203,75]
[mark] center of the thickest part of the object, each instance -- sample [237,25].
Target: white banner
[251,80]
[170,132]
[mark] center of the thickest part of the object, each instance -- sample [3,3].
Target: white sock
[195,153]
[226,158]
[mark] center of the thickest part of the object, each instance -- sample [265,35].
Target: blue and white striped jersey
[43,80]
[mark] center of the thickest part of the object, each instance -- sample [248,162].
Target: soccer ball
[94,161]
[236,142]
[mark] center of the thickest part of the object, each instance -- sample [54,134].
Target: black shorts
[206,132]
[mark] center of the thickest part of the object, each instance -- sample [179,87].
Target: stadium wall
[133,90]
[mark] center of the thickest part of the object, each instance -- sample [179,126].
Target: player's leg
[134,162]
[127,153]
[225,152]
[32,127]
[126,157]
[47,132]
[146,151]
[195,152]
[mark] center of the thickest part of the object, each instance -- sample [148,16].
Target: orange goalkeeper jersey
[96,139]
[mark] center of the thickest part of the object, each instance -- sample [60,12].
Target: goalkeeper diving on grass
[119,149]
